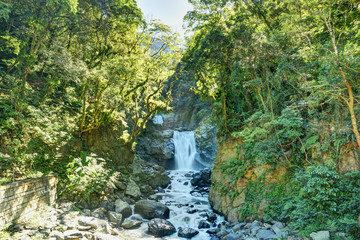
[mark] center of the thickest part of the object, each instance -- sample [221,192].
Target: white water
[185,150]
[178,199]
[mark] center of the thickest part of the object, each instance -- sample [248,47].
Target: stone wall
[22,197]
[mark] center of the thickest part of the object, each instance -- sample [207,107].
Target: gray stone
[321,235]
[120,185]
[279,230]
[131,224]
[254,230]
[99,212]
[187,232]
[72,234]
[266,234]
[84,228]
[88,221]
[238,226]
[161,227]
[58,235]
[133,190]
[86,212]
[123,208]
[115,217]
[268,226]
[232,236]
[102,236]
[149,209]
[155,197]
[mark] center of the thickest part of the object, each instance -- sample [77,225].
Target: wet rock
[149,209]
[133,190]
[321,235]
[211,217]
[123,208]
[131,224]
[214,238]
[155,197]
[202,178]
[266,234]
[187,232]
[115,217]
[160,227]
[203,224]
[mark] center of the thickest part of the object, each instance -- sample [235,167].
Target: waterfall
[185,150]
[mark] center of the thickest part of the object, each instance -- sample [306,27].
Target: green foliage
[86,178]
[71,67]
[318,198]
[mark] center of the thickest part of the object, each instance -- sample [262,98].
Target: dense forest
[282,78]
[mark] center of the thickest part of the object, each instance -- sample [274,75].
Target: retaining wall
[22,197]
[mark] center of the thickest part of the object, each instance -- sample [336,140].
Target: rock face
[149,209]
[222,203]
[160,227]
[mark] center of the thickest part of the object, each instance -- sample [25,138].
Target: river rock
[211,217]
[131,224]
[99,212]
[149,209]
[321,235]
[133,190]
[115,217]
[160,227]
[102,236]
[202,178]
[203,224]
[123,208]
[57,235]
[73,235]
[187,232]
[232,236]
[88,221]
[266,234]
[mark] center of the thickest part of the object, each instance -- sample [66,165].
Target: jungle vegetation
[283,77]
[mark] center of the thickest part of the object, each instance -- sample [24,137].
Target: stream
[188,206]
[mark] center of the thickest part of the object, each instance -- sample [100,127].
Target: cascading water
[187,205]
[185,150]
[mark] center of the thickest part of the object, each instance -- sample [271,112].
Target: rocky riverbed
[180,211]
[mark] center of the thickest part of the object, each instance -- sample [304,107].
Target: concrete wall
[22,197]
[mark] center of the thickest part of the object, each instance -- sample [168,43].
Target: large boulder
[160,227]
[115,217]
[202,178]
[123,208]
[187,232]
[149,209]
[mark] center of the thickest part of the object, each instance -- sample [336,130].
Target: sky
[170,12]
